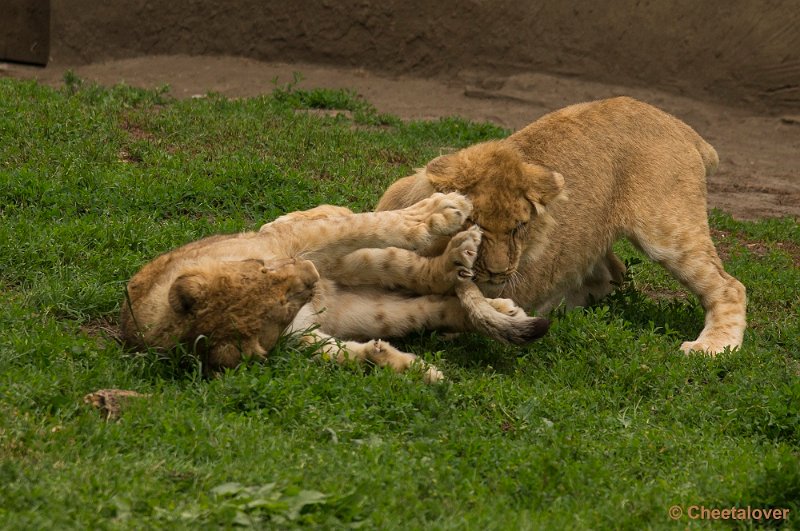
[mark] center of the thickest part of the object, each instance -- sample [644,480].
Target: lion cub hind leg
[689,254]
[376,351]
[500,319]
[350,316]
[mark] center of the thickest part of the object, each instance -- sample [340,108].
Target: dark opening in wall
[25,31]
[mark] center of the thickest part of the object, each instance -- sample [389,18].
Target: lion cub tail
[709,156]
[514,327]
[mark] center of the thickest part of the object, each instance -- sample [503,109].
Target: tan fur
[323,273]
[629,170]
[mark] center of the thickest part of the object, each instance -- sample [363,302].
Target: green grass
[601,424]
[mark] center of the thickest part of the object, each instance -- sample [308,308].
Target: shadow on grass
[626,310]
[678,317]
[178,364]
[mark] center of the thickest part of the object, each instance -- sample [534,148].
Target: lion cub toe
[507,307]
[704,347]
[383,354]
[462,251]
[449,213]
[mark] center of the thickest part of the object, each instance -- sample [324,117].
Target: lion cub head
[221,308]
[510,198]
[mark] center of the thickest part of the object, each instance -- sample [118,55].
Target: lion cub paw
[461,253]
[382,353]
[432,375]
[702,347]
[507,307]
[447,212]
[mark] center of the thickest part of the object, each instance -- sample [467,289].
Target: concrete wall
[737,51]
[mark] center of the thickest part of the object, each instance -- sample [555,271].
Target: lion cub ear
[186,292]
[444,172]
[545,185]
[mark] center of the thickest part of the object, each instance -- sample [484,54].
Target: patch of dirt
[135,131]
[793,249]
[759,174]
[746,53]
[102,329]
[756,247]
[662,294]
[327,113]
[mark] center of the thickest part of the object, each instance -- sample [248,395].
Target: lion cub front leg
[394,268]
[456,263]
[420,227]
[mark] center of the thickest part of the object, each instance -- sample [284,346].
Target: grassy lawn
[602,424]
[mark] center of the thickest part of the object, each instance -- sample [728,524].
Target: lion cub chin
[629,171]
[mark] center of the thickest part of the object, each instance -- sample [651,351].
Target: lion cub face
[240,306]
[509,198]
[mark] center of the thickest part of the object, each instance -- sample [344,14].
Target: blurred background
[730,69]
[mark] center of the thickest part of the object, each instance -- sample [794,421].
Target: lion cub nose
[498,271]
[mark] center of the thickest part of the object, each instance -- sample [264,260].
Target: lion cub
[323,272]
[629,170]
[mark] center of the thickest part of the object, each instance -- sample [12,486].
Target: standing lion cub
[629,170]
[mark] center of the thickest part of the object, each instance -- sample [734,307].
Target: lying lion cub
[629,170]
[326,268]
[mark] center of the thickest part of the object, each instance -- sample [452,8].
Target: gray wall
[737,51]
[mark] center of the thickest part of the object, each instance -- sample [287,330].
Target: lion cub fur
[629,171]
[323,272]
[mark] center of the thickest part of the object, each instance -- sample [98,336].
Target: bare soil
[759,174]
